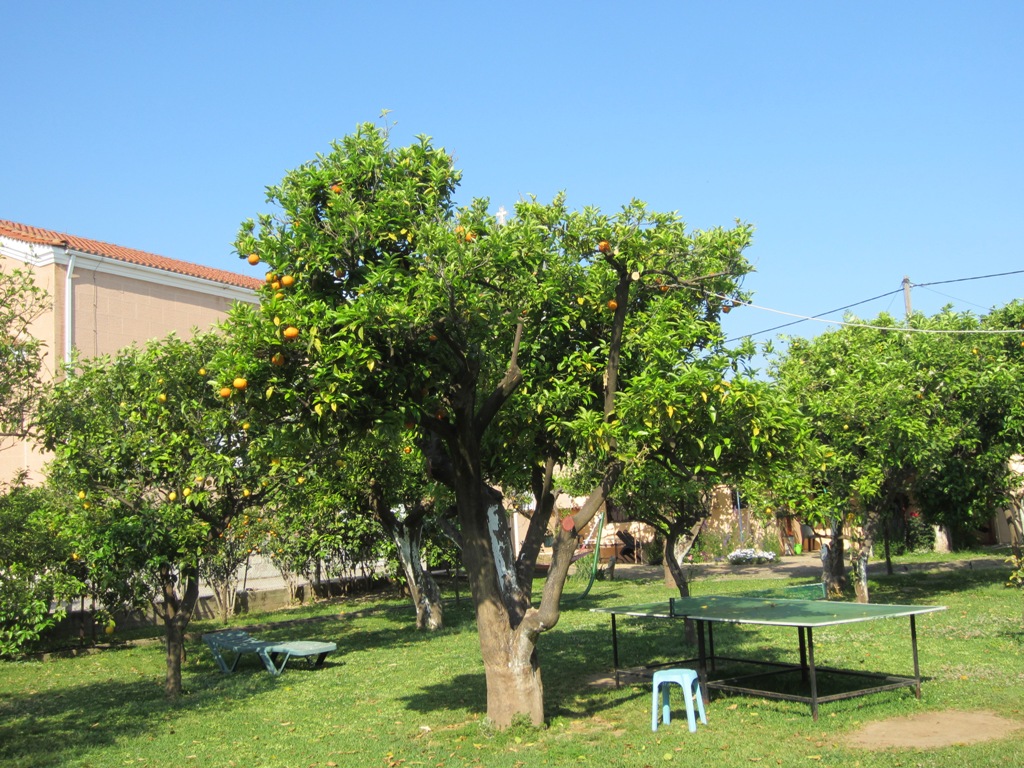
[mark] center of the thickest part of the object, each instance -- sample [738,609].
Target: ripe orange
[470,237]
[225,391]
[287,280]
[276,285]
[271,277]
[604,246]
[336,188]
[459,229]
[240,383]
[254,259]
[202,371]
[407,449]
[277,359]
[433,337]
[613,305]
[291,332]
[662,288]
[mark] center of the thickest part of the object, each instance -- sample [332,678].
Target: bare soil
[931,730]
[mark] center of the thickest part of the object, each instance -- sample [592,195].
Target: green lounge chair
[274,656]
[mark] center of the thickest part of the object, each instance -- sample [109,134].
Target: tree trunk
[407,533]
[833,565]
[423,589]
[678,544]
[859,553]
[176,613]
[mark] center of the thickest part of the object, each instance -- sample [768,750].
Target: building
[105,297]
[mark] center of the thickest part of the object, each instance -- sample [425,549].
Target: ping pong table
[804,615]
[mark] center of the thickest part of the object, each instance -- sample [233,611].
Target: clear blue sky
[864,140]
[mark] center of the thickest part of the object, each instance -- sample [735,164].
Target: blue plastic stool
[687,678]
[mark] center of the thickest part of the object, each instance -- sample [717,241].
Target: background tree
[21,354]
[918,418]
[36,566]
[158,457]
[397,310]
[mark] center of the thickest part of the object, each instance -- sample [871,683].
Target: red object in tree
[567,523]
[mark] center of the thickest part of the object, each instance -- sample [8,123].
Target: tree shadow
[56,727]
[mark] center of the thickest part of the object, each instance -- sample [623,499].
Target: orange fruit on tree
[277,359]
[336,188]
[613,305]
[662,288]
[407,449]
[291,332]
[162,397]
[240,383]
[470,237]
[271,277]
[254,259]
[225,391]
[276,285]
[287,280]
[604,246]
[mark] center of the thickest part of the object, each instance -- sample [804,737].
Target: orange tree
[158,468]
[921,419]
[21,354]
[508,348]
[727,428]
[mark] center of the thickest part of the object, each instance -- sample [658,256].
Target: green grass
[394,697]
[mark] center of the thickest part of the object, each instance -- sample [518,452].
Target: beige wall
[114,311]
[115,305]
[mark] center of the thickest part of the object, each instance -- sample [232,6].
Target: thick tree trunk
[833,565]
[176,612]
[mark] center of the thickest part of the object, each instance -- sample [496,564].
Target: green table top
[774,611]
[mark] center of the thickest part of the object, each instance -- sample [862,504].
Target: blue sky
[864,140]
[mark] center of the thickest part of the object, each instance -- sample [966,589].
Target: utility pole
[906,296]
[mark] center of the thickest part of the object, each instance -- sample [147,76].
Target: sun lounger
[274,656]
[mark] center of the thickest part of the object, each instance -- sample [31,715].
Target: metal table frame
[709,610]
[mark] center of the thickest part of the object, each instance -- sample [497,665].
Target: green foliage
[929,417]
[21,354]
[37,567]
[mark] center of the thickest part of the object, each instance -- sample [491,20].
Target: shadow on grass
[915,588]
[57,727]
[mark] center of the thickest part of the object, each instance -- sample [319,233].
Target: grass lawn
[394,697]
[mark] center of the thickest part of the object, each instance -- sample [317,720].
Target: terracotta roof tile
[29,234]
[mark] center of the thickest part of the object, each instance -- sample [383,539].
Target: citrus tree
[37,566]
[916,421]
[509,347]
[158,456]
[21,354]
[734,429]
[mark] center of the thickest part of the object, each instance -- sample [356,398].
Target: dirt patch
[931,730]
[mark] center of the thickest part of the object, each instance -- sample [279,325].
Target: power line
[814,317]
[818,317]
[965,279]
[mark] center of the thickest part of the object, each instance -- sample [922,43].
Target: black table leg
[813,677]
[913,645]
[615,651]
[702,662]
[803,654]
